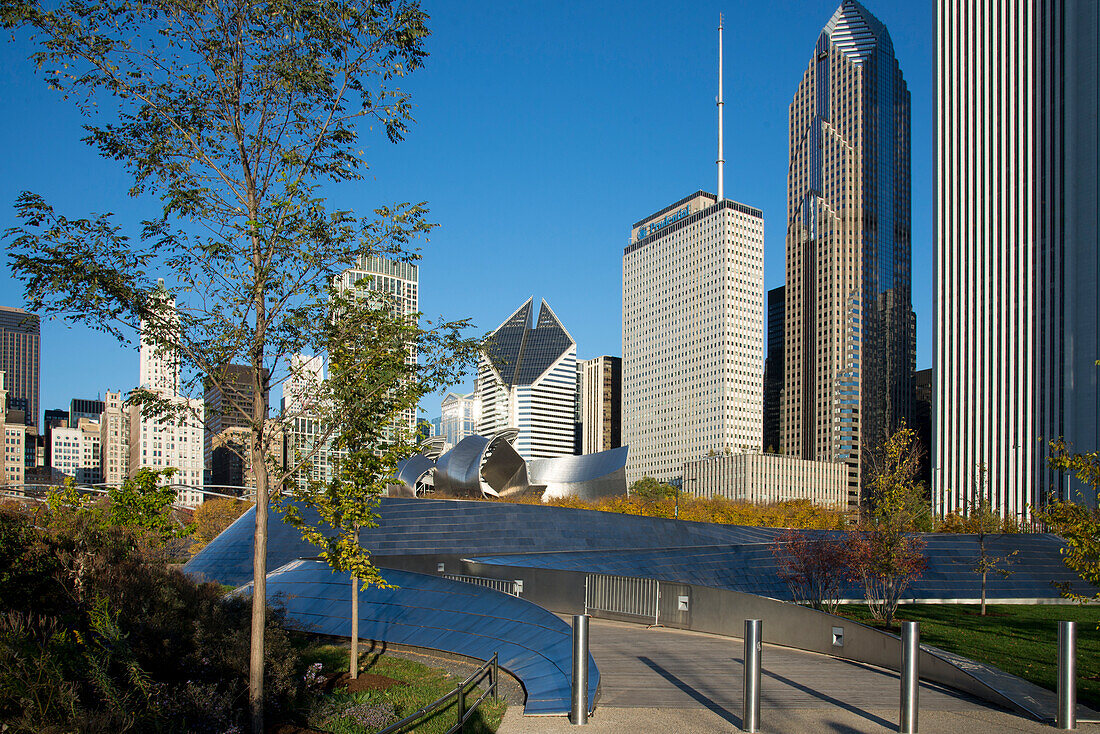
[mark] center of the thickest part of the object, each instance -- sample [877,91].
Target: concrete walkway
[673,680]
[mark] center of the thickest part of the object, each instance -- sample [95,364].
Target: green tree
[1077,524]
[232,114]
[372,384]
[648,488]
[882,556]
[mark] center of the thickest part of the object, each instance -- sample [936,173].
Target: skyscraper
[527,380]
[601,388]
[693,330]
[848,371]
[20,357]
[398,283]
[160,442]
[1017,322]
[693,335]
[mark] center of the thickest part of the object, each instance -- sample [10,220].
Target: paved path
[673,680]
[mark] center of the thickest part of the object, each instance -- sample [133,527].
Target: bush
[98,638]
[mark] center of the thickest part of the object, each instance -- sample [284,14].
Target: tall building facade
[1017,321]
[398,283]
[693,335]
[527,380]
[848,371]
[459,416]
[773,372]
[114,439]
[160,442]
[15,434]
[230,401]
[20,358]
[601,412]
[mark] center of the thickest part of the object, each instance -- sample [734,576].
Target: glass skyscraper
[848,331]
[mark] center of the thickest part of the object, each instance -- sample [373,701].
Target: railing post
[461,705]
[750,710]
[496,677]
[579,713]
[910,677]
[1066,717]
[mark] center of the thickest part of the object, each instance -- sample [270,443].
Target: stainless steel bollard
[910,677]
[579,713]
[750,715]
[1066,717]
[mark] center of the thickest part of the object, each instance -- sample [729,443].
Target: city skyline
[583,134]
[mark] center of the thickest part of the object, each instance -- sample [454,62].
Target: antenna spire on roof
[721,159]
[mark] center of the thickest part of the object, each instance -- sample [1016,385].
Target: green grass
[1017,638]
[423,685]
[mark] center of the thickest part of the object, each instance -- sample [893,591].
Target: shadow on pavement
[700,697]
[829,699]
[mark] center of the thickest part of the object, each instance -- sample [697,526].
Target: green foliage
[1020,639]
[105,641]
[233,115]
[650,489]
[143,503]
[1078,525]
[372,384]
[880,553]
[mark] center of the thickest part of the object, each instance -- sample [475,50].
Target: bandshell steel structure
[490,467]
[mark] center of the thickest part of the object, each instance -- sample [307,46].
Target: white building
[761,478]
[527,380]
[75,452]
[693,335]
[167,441]
[13,460]
[459,417]
[1017,302]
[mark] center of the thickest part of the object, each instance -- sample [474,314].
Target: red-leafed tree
[814,567]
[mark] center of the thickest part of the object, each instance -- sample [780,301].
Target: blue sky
[544,130]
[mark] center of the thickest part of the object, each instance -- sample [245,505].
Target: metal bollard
[579,713]
[1066,717]
[910,677]
[750,715]
[461,691]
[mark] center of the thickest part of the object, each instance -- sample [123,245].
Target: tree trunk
[263,497]
[354,662]
[983,592]
[259,603]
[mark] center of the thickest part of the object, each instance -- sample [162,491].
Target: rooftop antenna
[721,160]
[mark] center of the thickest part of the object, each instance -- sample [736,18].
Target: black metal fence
[489,670]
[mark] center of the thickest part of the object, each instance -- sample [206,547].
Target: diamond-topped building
[527,380]
[849,320]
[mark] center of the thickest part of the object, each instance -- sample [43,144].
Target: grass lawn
[1021,639]
[419,686]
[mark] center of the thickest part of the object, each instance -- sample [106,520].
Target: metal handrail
[490,669]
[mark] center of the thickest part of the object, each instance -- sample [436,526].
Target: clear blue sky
[544,130]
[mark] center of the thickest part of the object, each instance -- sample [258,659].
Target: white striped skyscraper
[1016,269]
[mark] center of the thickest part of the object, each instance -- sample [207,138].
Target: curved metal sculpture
[411,476]
[458,472]
[586,477]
